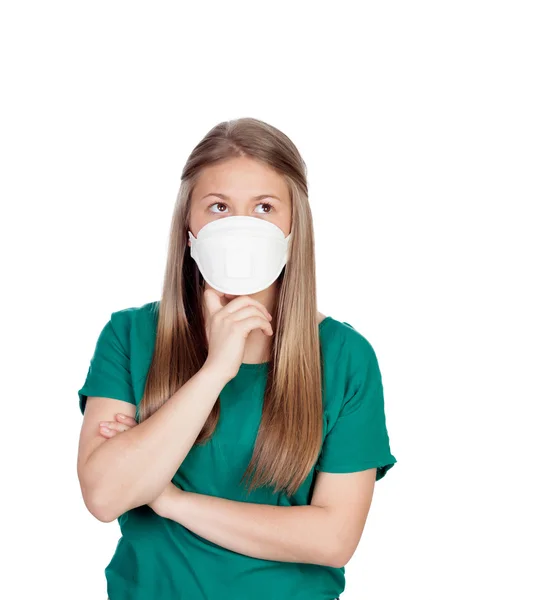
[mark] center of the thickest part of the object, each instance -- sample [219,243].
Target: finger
[126,420]
[212,300]
[251,323]
[243,301]
[247,311]
[118,427]
[107,433]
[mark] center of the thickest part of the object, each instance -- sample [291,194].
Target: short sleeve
[359,439]
[109,369]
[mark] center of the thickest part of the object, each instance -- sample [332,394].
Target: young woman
[234,431]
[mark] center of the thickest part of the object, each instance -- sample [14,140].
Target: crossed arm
[326,532]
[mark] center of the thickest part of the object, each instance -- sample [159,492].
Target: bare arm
[327,532]
[284,533]
[134,467]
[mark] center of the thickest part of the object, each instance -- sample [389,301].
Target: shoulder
[345,334]
[346,345]
[131,313]
[126,320]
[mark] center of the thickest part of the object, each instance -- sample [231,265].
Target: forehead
[239,177]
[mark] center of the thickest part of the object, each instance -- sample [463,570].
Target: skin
[243,181]
[325,532]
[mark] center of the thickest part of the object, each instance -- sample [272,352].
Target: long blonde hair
[290,434]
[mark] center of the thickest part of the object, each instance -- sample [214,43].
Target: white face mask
[240,255]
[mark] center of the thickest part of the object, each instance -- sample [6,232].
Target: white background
[430,134]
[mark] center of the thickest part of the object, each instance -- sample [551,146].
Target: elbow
[341,549]
[107,506]
[340,558]
[95,502]
[333,556]
[337,561]
[99,508]
[104,516]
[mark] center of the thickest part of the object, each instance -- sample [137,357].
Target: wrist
[174,505]
[165,505]
[214,375]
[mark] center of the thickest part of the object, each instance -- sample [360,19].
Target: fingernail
[103,423]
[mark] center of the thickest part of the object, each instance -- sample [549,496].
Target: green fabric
[159,558]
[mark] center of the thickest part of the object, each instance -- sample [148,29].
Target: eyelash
[260,203]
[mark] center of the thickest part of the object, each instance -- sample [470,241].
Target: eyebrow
[225,197]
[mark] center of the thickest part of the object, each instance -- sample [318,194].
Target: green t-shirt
[159,558]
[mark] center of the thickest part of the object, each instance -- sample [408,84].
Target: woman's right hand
[228,326]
